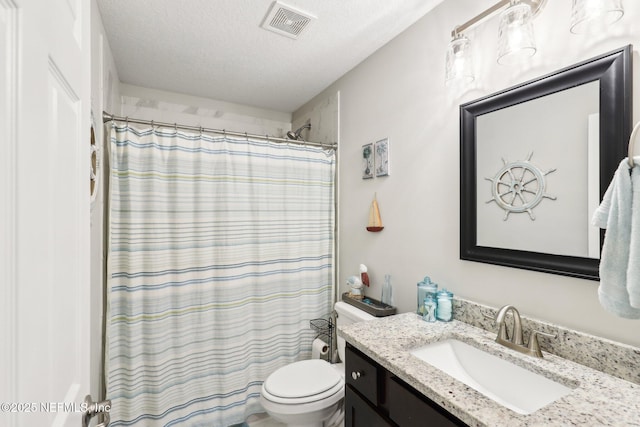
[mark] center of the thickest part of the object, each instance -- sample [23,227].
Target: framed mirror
[535,162]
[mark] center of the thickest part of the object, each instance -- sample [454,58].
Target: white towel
[633,271]
[619,278]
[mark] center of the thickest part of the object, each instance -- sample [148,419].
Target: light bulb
[593,16]
[516,39]
[459,61]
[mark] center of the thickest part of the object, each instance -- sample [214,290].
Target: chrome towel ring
[632,140]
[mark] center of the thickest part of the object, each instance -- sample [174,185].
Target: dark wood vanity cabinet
[374,397]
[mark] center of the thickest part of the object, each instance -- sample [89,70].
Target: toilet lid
[302,379]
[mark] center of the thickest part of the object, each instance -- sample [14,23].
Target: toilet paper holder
[324,330]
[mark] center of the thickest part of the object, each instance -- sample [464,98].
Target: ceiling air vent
[285,20]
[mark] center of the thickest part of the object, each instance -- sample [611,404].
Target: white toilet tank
[348,314]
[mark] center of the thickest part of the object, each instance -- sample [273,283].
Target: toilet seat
[302,382]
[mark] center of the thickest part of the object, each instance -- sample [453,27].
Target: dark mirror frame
[613,71]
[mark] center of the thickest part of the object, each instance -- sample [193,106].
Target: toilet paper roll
[319,349]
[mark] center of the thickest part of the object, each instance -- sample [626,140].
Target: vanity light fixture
[592,16]
[459,61]
[515,34]
[516,37]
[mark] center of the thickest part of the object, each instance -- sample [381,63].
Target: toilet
[309,393]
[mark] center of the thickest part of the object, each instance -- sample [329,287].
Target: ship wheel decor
[519,187]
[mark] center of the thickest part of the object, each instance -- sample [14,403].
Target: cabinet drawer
[362,374]
[408,409]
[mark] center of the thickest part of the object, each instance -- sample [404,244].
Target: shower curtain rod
[106,117]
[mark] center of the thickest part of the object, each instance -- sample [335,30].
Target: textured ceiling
[217,49]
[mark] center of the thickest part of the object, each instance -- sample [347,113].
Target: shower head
[296,135]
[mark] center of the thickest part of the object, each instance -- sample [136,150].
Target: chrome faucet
[516,342]
[503,333]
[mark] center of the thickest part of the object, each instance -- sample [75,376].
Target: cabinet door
[408,409]
[359,413]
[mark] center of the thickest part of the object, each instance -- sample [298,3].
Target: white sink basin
[510,385]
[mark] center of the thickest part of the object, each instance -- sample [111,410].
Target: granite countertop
[597,399]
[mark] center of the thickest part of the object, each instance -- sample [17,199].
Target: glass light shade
[593,16]
[459,61]
[516,40]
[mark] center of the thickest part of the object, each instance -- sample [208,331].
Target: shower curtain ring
[201,131]
[224,133]
[151,125]
[175,126]
[126,121]
[246,136]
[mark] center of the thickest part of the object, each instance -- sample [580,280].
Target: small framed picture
[382,157]
[367,161]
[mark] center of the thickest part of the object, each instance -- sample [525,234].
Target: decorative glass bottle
[426,287]
[429,305]
[387,292]
[444,311]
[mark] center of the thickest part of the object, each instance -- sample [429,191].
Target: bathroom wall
[104,96]
[324,117]
[170,107]
[399,93]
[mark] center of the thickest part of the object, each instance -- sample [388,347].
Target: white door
[44,211]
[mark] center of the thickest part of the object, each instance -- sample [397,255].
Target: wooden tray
[370,305]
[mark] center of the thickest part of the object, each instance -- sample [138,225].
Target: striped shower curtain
[220,252]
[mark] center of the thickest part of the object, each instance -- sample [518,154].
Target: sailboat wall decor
[375,222]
